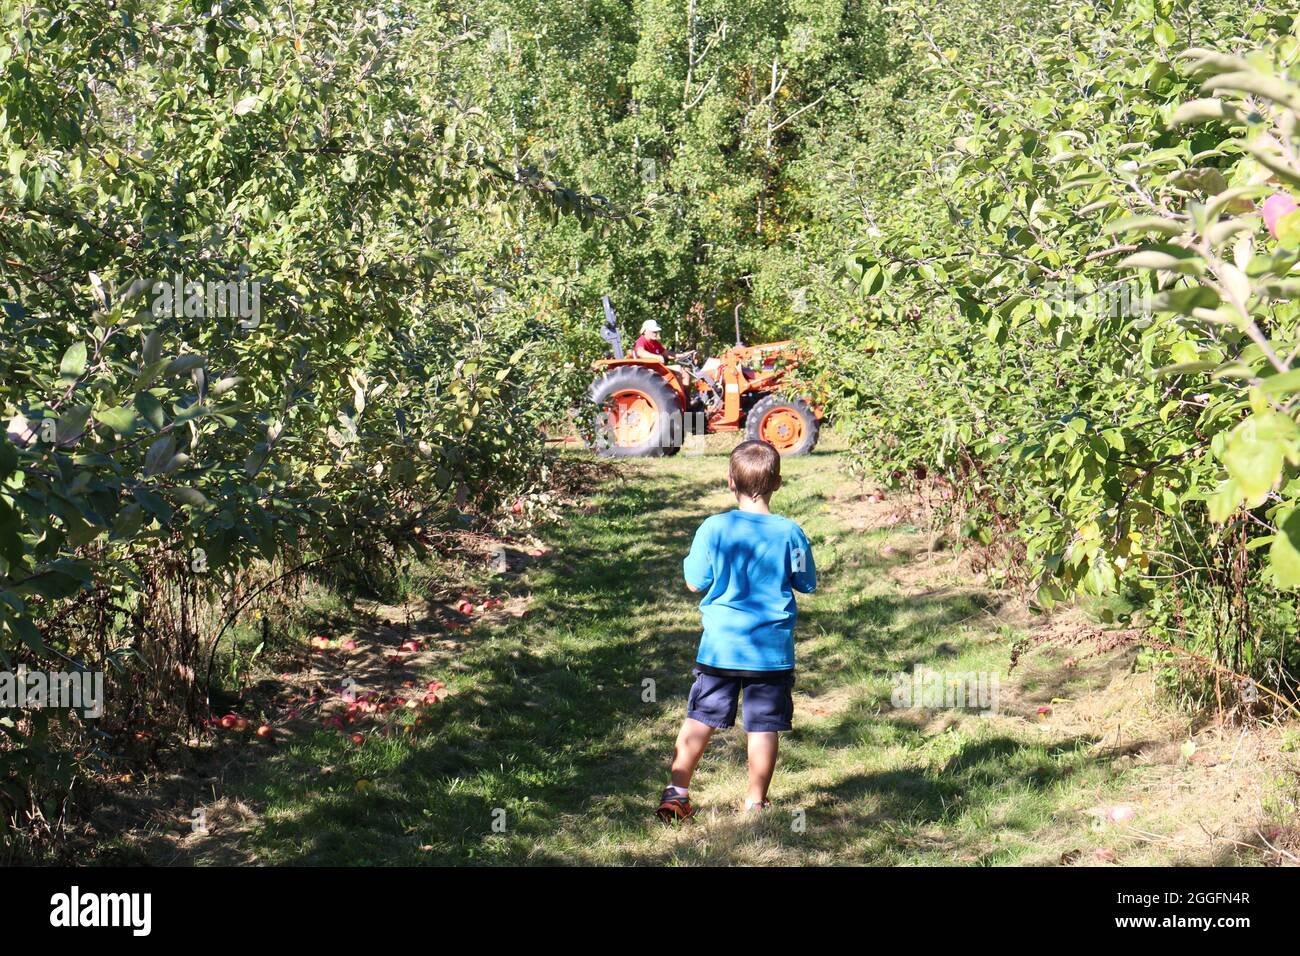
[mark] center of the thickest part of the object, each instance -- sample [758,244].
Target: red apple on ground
[1120,814]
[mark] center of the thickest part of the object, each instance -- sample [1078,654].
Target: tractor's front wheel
[639,415]
[787,424]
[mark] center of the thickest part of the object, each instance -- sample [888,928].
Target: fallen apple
[265,732]
[1120,814]
[358,738]
[229,721]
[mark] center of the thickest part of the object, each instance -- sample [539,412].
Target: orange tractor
[647,410]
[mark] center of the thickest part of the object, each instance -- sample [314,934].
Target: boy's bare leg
[762,763]
[691,741]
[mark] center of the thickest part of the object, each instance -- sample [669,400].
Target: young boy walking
[748,562]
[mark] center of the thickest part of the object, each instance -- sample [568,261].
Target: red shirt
[651,345]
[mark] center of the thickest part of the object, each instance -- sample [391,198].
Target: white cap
[649,325]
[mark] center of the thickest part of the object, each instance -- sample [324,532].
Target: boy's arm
[803,571]
[698,566]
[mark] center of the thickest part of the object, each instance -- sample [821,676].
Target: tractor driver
[649,348]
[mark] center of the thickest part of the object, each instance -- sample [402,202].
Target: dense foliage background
[1027,242]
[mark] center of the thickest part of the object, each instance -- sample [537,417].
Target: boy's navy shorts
[768,701]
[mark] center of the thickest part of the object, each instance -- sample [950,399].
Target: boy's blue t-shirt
[748,566]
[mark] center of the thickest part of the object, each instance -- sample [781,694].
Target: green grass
[546,720]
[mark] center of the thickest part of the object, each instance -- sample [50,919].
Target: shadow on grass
[546,732]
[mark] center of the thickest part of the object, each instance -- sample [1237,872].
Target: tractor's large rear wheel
[787,424]
[640,415]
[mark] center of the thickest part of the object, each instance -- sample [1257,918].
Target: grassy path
[545,750]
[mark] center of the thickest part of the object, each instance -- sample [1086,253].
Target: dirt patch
[875,509]
[829,703]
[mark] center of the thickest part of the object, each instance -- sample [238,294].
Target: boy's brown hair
[755,469]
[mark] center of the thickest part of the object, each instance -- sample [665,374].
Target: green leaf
[191,496]
[1283,384]
[1167,227]
[1256,451]
[26,631]
[124,421]
[59,579]
[159,454]
[1170,258]
[73,365]
[1204,111]
[154,504]
[1284,555]
[150,409]
[183,363]
[128,522]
